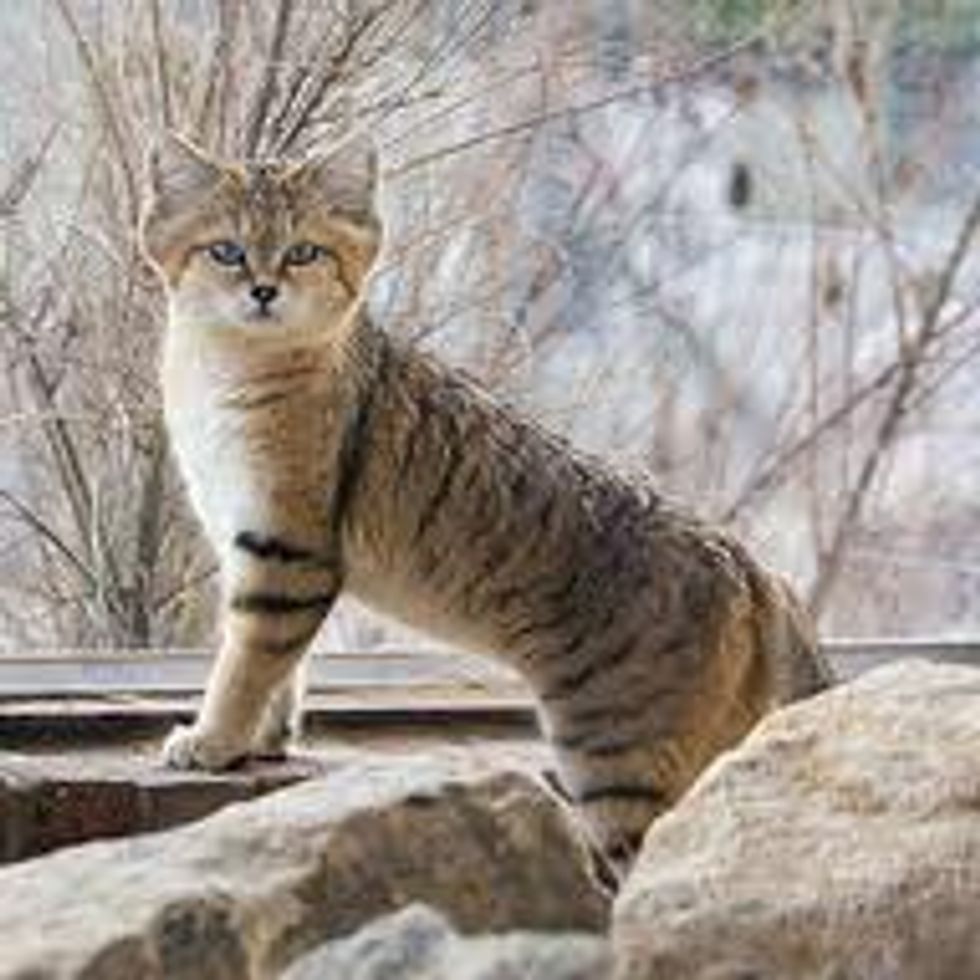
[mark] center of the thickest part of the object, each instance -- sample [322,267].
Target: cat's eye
[227,252]
[304,253]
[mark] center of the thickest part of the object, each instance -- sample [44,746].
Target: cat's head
[265,249]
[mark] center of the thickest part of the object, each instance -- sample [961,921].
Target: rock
[840,840]
[418,943]
[49,800]
[243,892]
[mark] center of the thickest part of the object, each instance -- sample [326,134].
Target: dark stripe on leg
[594,745]
[279,604]
[621,792]
[272,548]
[287,645]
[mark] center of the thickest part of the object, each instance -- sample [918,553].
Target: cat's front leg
[281,721]
[273,608]
[200,746]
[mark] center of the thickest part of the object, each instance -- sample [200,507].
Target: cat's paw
[187,747]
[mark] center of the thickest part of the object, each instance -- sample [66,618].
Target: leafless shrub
[573,213]
[97,533]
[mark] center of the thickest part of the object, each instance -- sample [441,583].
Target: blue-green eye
[304,253]
[227,253]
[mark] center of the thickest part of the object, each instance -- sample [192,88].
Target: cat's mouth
[262,314]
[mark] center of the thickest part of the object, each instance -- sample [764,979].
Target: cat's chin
[260,318]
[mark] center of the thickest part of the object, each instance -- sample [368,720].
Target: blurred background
[729,242]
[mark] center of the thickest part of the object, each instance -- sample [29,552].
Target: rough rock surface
[840,841]
[49,801]
[418,943]
[243,892]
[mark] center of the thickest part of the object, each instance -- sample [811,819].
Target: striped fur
[322,455]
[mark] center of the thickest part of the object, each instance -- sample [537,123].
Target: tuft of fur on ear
[179,171]
[345,179]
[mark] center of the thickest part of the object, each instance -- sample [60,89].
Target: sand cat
[323,455]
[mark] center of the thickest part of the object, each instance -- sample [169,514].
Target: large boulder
[243,892]
[840,840]
[419,943]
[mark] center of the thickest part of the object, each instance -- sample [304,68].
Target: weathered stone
[14,822]
[49,801]
[840,841]
[418,943]
[243,892]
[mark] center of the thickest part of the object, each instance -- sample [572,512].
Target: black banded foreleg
[276,596]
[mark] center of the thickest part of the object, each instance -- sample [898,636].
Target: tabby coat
[321,455]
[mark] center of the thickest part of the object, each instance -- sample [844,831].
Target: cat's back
[473,522]
[469,516]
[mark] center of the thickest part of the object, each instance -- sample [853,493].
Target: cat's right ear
[178,176]
[180,171]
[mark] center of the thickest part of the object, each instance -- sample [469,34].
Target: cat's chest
[252,452]
[222,475]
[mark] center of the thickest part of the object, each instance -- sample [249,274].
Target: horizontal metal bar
[902,646]
[852,656]
[55,722]
[833,645]
[99,673]
[193,654]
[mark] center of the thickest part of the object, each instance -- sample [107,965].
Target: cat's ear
[179,172]
[345,179]
[179,175]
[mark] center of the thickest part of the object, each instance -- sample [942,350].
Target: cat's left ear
[345,179]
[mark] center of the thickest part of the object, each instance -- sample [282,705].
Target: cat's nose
[264,294]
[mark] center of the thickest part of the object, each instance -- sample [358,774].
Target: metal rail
[88,673]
